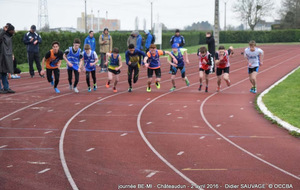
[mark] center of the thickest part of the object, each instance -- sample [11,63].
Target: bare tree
[290,14]
[252,11]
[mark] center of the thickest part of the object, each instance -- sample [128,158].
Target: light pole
[85,19]
[225,1]
[151,16]
[92,20]
[98,20]
[217,24]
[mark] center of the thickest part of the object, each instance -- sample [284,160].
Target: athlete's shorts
[254,69]
[175,69]
[206,71]
[114,71]
[157,73]
[223,70]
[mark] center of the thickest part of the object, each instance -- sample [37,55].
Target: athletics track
[106,140]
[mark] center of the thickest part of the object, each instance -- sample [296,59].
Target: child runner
[205,61]
[255,58]
[53,61]
[90,60]
[178,54]
[133,60]
[222,63]
[73,57]
[114,65]
[154,65]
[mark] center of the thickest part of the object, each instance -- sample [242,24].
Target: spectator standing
[106,43]
[90,40]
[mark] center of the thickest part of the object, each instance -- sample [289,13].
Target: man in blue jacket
[32,40]
[90,40]
[139,41]
[148,40]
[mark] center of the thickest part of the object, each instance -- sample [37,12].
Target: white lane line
[169,114]
[148,99]
[184,106]
[180,153]
[109,112]
[16,119]
[195,126]
[37,163]
[76,104]
[124,134]
[3,146]
[250,102]
[45,170]
[89,150]
[219,125]
[179,117]
[177,110]
[81,121]
[242,108]
[50,110]
[236,145]
[152,174]
[198,100]
[202,137]
[231,116]
[149,123]
[48,132]
[10,166]
[130,105]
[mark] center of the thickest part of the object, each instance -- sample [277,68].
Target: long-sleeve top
[148,40]
[139,42]
[31,47]
[91,42]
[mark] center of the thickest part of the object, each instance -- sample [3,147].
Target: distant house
[263,25]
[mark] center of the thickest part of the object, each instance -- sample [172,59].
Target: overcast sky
[173,13]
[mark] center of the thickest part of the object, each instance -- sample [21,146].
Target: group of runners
[87,60]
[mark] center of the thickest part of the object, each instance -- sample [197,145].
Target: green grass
[191,49]
[284,99]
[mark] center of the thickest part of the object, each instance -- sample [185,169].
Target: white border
[265,110]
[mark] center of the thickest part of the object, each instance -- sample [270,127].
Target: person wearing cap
[178,53]
[106,43]
[32,40]
[149,40]
[90,40]
[6,58]
[132,38]
[178,40]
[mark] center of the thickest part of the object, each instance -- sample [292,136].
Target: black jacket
[211,45]
[6,62]
[32,48]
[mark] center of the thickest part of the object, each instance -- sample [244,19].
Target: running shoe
[148,89]
[89,89]
[157,85]
[115,89]
[52,82]
[251,89]
[254,90]
[56,90]
[206,89]
[170,72]
[70,86]
[129,89]
[76,90]
[95,87]
[107,85]
[218,89]
[200,87]
[187,82]
[172,89]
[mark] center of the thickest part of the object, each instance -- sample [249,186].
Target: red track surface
[98,140]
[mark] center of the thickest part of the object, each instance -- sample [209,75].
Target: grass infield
[284,99]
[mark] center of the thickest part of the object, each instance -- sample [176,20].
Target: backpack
[153,39]
[103,37]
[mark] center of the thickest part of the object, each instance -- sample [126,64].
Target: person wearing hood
[106,43]
[90,40]
[132,38]
[6,57]
[210,40]
[149,40]
[32,40]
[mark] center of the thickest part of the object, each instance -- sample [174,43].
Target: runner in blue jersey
[90,60]
[114,65]
[73,57]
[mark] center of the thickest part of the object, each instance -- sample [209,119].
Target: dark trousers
[56,76]
[88,77]
[33,57]
[76,73]
[103,60]
[132,70]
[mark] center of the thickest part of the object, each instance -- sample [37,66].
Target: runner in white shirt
[254,57]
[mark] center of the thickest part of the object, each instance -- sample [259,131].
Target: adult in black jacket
[210,40]
[6,62]
[32,40]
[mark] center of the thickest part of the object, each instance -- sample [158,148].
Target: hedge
[192,38]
